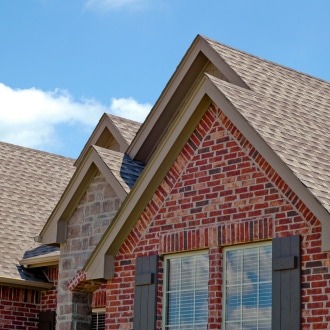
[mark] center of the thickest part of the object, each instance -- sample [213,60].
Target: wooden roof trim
[51,259]
[75,190]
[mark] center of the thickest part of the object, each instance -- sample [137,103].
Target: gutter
[25,284]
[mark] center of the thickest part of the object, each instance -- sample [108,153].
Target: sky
[63,63]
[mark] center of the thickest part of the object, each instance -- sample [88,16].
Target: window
[186,291]
[248,287]
[98,319]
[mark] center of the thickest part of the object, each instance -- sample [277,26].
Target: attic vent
[213,71]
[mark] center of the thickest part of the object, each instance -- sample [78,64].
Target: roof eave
[25,284]
[41,261]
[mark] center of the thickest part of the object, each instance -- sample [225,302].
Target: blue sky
[65,62]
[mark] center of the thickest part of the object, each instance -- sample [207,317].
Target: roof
[128,128]
[111,132]
[125,170]
[290,110]
[31,185]
[283,111]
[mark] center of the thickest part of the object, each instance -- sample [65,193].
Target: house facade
[214,214]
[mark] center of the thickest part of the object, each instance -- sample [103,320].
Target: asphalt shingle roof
[290,111]
[127,128]
[125,170]
[31,185]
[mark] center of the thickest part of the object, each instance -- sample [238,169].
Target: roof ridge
[265,60]
[122,118]
[11,145]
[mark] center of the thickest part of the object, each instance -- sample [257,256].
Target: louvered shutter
[47,320]
[145,294]
[286,283]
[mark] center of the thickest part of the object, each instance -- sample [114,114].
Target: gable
[220,191]
[119,171]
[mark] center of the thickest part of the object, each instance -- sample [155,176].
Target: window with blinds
[98,320]
[248,287]
[186,289]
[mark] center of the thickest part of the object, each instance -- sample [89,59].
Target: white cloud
[33,118]
[109,5]
[129,108]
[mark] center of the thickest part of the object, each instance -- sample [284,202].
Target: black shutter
[47,320]
[145,294]
[286,283]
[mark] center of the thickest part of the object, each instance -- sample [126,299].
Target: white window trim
[165,276]
[224,278]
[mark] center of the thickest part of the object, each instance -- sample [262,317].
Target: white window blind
[98,320]
[248,287]
[187,292]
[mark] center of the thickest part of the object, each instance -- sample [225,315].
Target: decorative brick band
[226,233]
[80,284]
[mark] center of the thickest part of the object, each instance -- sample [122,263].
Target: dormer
[113,133]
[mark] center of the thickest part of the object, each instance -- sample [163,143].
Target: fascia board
[165,97]
[144,188]
[25,284]
[273,159]
[41,261]
[75,190]
[199,46]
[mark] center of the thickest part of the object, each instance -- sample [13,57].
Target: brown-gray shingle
[31,184]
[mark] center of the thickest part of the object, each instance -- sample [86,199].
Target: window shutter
[286,283]
[145,294]
[47,320]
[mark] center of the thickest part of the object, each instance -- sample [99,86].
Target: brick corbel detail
[80,283]
[250,230]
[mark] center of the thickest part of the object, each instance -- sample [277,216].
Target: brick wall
[48,299]
[220,191]
[19,308]
[85,228]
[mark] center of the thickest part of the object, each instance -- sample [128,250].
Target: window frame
[166,274]
[224,271]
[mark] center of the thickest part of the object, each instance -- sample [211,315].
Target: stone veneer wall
[85,228]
